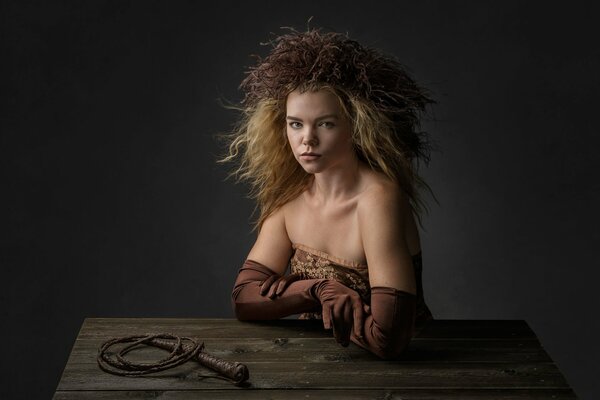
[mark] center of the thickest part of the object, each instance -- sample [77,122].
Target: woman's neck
[337,183]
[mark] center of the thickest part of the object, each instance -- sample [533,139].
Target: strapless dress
[310,263]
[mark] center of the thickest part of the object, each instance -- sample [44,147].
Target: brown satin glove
[275,285]
[259,294]
[296,296]
[387,326]
[342,310]
[390,325]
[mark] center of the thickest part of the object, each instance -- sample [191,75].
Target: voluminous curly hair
[383,103]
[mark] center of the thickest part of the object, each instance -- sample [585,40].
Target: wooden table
[293,359]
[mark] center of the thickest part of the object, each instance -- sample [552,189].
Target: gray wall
[113,205]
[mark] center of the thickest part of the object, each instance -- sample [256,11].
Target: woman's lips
[309,156]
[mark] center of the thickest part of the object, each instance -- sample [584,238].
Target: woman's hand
[343,309]
[275,285]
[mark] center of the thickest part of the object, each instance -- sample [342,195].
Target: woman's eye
[326,124]
[295,125]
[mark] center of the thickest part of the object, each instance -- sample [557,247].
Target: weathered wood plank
[231,328]
[454,359]
[288,375]
[356,394]
[326,349]
[201,328]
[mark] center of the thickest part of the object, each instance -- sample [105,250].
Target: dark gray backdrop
[113,205]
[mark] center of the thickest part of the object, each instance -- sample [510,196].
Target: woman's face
[318,131]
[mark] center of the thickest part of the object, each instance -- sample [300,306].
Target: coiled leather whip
[182,350]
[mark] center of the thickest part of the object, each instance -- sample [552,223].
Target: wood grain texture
[360,394]
[294,358]
[325,349]
[224,328]
[294,375]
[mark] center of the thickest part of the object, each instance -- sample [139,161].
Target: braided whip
[182,350]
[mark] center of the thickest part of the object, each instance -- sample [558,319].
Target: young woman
[329,144]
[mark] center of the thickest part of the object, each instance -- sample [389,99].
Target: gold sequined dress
[310,263]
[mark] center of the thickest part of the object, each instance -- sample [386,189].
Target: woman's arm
[387,328]
[382,216]
[250,303]
[262,292]
[268,260]
[382,219]
[273,247]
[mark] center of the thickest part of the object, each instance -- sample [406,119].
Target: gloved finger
[358,317]
[274,286]
[266,285]
[348,318]
[284,283]
[340,322]
[326,314]
[279,286]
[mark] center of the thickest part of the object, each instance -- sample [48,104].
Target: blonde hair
[380,144]
[266,162]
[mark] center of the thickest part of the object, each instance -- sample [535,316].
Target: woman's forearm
[387,329]
[249,304]
[390,326]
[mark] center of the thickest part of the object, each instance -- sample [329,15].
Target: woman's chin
[311,169]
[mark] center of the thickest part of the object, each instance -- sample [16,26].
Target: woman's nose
[309,137]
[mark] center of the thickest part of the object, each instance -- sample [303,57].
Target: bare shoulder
[381,195]
[275,220]
[381,211]
[273,247]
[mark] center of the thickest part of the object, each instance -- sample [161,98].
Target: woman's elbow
[393,350]
[241,313]
[239,310]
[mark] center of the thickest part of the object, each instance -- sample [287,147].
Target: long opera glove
[387,329]
[260,294]
[390,326]
[248,303]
